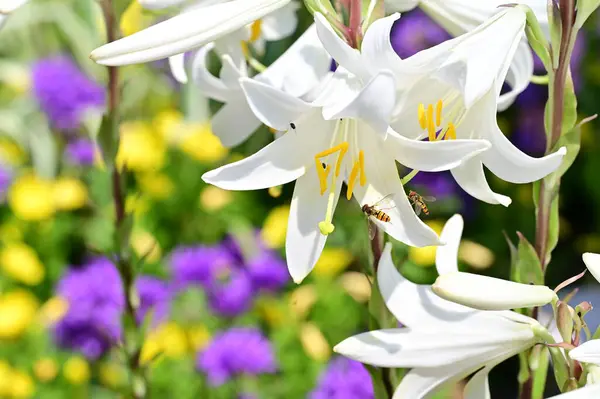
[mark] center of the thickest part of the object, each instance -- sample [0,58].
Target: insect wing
[372,229]
[417,207]
[385,201]
[429,199]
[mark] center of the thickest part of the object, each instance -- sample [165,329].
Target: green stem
[406,179]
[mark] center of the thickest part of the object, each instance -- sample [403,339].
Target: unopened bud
[564,321]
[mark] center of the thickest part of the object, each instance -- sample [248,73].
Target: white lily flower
[443,342]
[187,31]
[461,16]
[340,142]
[588,352]
[592,262]
[297,72]
[451,91]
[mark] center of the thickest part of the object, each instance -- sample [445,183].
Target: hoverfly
[377,213]
[419,202]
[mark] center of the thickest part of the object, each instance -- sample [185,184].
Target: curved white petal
[518,77]
[159,4]
[210,85]
[433,156]
[301,67]
[373,104]
[511,164]
[471,178]
[231,72]
[377,46]
[184,32]
[342,53]
[592,262]
[478,386]
[304,241]
[281,23]
[272,106]
[177,65]
[488,293]
[382,179]
[587,392]
[588,352]
[280,162]
[234,122]
[446,256]
[401,5]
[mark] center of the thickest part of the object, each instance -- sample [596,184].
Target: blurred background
[219,314]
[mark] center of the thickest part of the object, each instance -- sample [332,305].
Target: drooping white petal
[587,392]
[382,179]
[231,72]
[433,156]
[478,386]
[184,32]
[301,67]
[210,85]
[234,122]
[471,178]
[272,106]
[488,293]
[592,262]
[588,352]
[281,23]
[280,162]
[446,256]
[304,241]
[377,46]
[373,104]
[177,65]
[518,77]
[342,53]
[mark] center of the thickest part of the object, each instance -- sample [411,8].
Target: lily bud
[592,262]
[488,293]
[564,321]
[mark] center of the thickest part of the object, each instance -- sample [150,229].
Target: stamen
[422,117]
[322,172]
[451,132]
[430,121]
[325,226]
[359,166]
[363,175]
[438,113]
[275,192]
[255,30]
[245,49]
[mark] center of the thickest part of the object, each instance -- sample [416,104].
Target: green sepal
[528,267]
[536,37]
[585,8]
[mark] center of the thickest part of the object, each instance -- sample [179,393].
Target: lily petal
[373,104]
[281,23]
[433,156]
[377,46]
[588,352]
[518,77]
[446,256]
[488,293]
[478,386]
[342,53]
[184,32]
[177,65]
[234,122]
[471,178]
[278,163]
[592,262]
[272,106]
[382,179]
[304,241]
[159,4]
[209,84]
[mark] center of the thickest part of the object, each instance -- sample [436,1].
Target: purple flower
[95,297]
[231,294]
[64,92]
[199,265]
[438,185]
[344,378]
[235,352]
[414,32]
[81,152]
[5,179]
[154,296]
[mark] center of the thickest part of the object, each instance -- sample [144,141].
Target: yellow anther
[359,166]
[275,192]
[326,227]
[422,116]
[255,30]
[430,121]
[451,132]
[323,172]
[245,49]
[438,113]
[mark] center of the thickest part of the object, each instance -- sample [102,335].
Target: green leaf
[514,256]
[585,8]
[528,267]
[536,37]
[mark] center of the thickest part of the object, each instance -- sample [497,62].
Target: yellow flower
[30,198]
[133,19]
[168,339]
[20,262]
[199,337]
[141,149]
[110,374]
[22,385]
[156,185]
[314,343]
[137,205]
[275,227]
[17,311]
[16,77]
[200,143]
[144,244]
[53,310]
[45,369]
[476,255]
[357,285]
[5,379]
[332,262]
[425,256]
[214,198]
[169,124]
[271,311]
[69,194]
[77,370]
[302,300]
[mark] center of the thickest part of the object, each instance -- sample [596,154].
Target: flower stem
[138,385]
